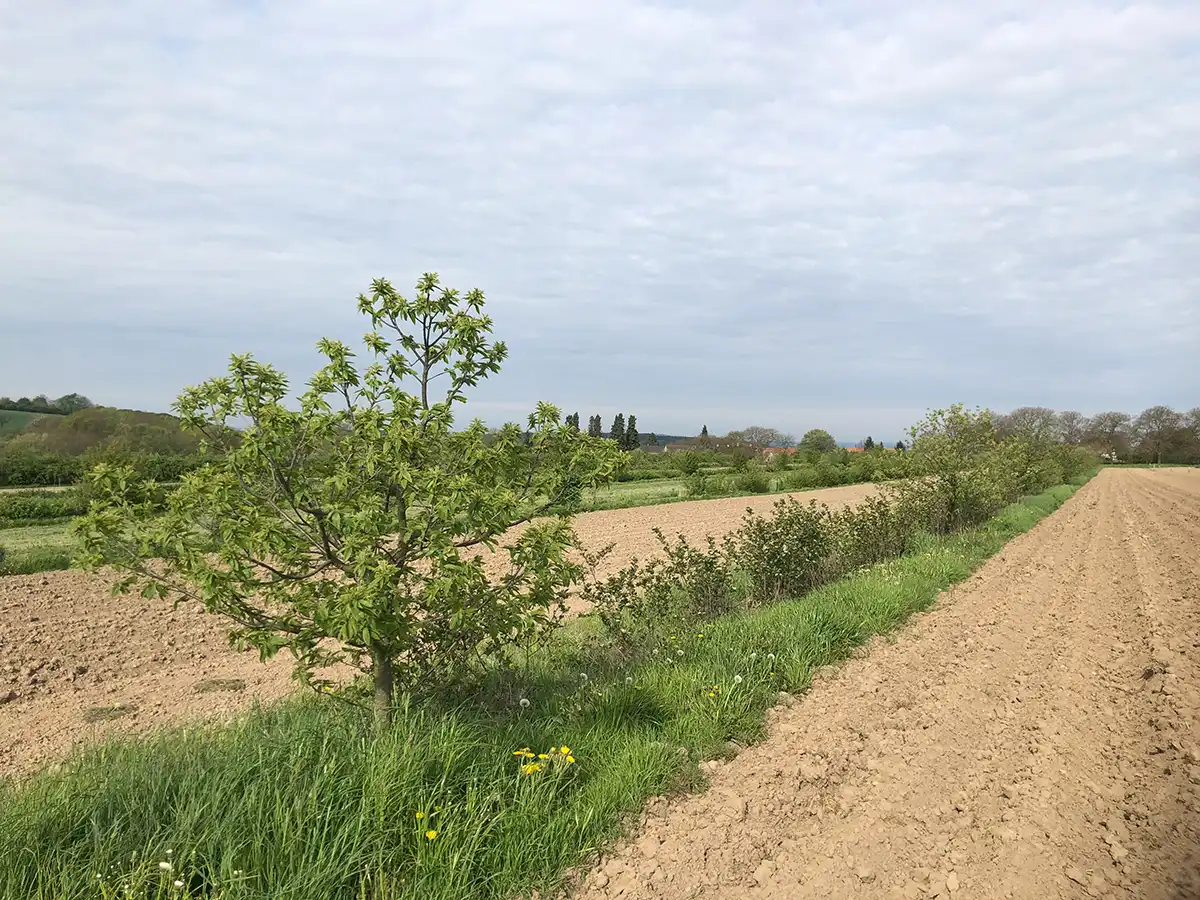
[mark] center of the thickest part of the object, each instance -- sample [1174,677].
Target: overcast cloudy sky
[778,212]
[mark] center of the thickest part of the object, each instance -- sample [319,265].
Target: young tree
[632,441]
[595,427]
[817,440]
[869,444]
[900,446]
[704,431]
[652,441]
[617,432]
[340,531]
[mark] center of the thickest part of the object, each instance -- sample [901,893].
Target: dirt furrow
[1031,737]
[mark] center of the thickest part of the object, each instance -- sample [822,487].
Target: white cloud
[736,206]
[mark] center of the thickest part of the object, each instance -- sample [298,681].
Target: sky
[775,212]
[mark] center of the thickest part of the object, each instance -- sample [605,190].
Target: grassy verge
[295,801]
[37,548]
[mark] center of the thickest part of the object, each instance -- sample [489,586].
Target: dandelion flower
[420,815]
[431,834]
[165,866]
[543,756]
[530,768]
[570,759]
[564,750]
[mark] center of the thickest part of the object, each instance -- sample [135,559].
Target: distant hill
[101,427]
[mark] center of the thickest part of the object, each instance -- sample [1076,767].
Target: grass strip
[298,800]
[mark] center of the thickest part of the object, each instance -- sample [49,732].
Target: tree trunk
[385,687]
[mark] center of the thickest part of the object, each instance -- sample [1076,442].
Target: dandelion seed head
[629,679]
[524,703]
[178,883]
[165,866]
[737,679]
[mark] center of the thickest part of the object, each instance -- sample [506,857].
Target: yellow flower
[420,815]
[530,768]
[524,751]
[570,759]
[543,756]
[564,750]
[431,834]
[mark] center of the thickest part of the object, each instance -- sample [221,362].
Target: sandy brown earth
[1033,736]
[76,663]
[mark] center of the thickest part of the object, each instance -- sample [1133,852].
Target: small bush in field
[782,554]
[870,532]
[752,481]
[644,601]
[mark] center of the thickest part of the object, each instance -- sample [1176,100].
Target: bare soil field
[1033,736]
[76,663]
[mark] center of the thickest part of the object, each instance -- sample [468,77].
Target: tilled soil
[76,663]
[1033,736]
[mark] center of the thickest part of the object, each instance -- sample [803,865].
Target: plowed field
[1034,736]
[76,662]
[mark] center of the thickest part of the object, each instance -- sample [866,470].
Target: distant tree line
[1158,434]
[63,406]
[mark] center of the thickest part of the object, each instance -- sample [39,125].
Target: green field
[622,494]
[12,421]
[37,548]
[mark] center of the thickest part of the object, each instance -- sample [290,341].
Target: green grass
[624,494]
[12,421]
[296,800]
[37,548]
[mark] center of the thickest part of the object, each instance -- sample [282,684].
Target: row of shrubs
[799,546]
[24,467]
[18,508]
[760,480]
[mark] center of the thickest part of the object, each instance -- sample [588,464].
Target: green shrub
[35,506]
[871,532]
[642,603]
[802,478]
[752,481]
[783,554]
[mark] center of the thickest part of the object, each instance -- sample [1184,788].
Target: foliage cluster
[344,531]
